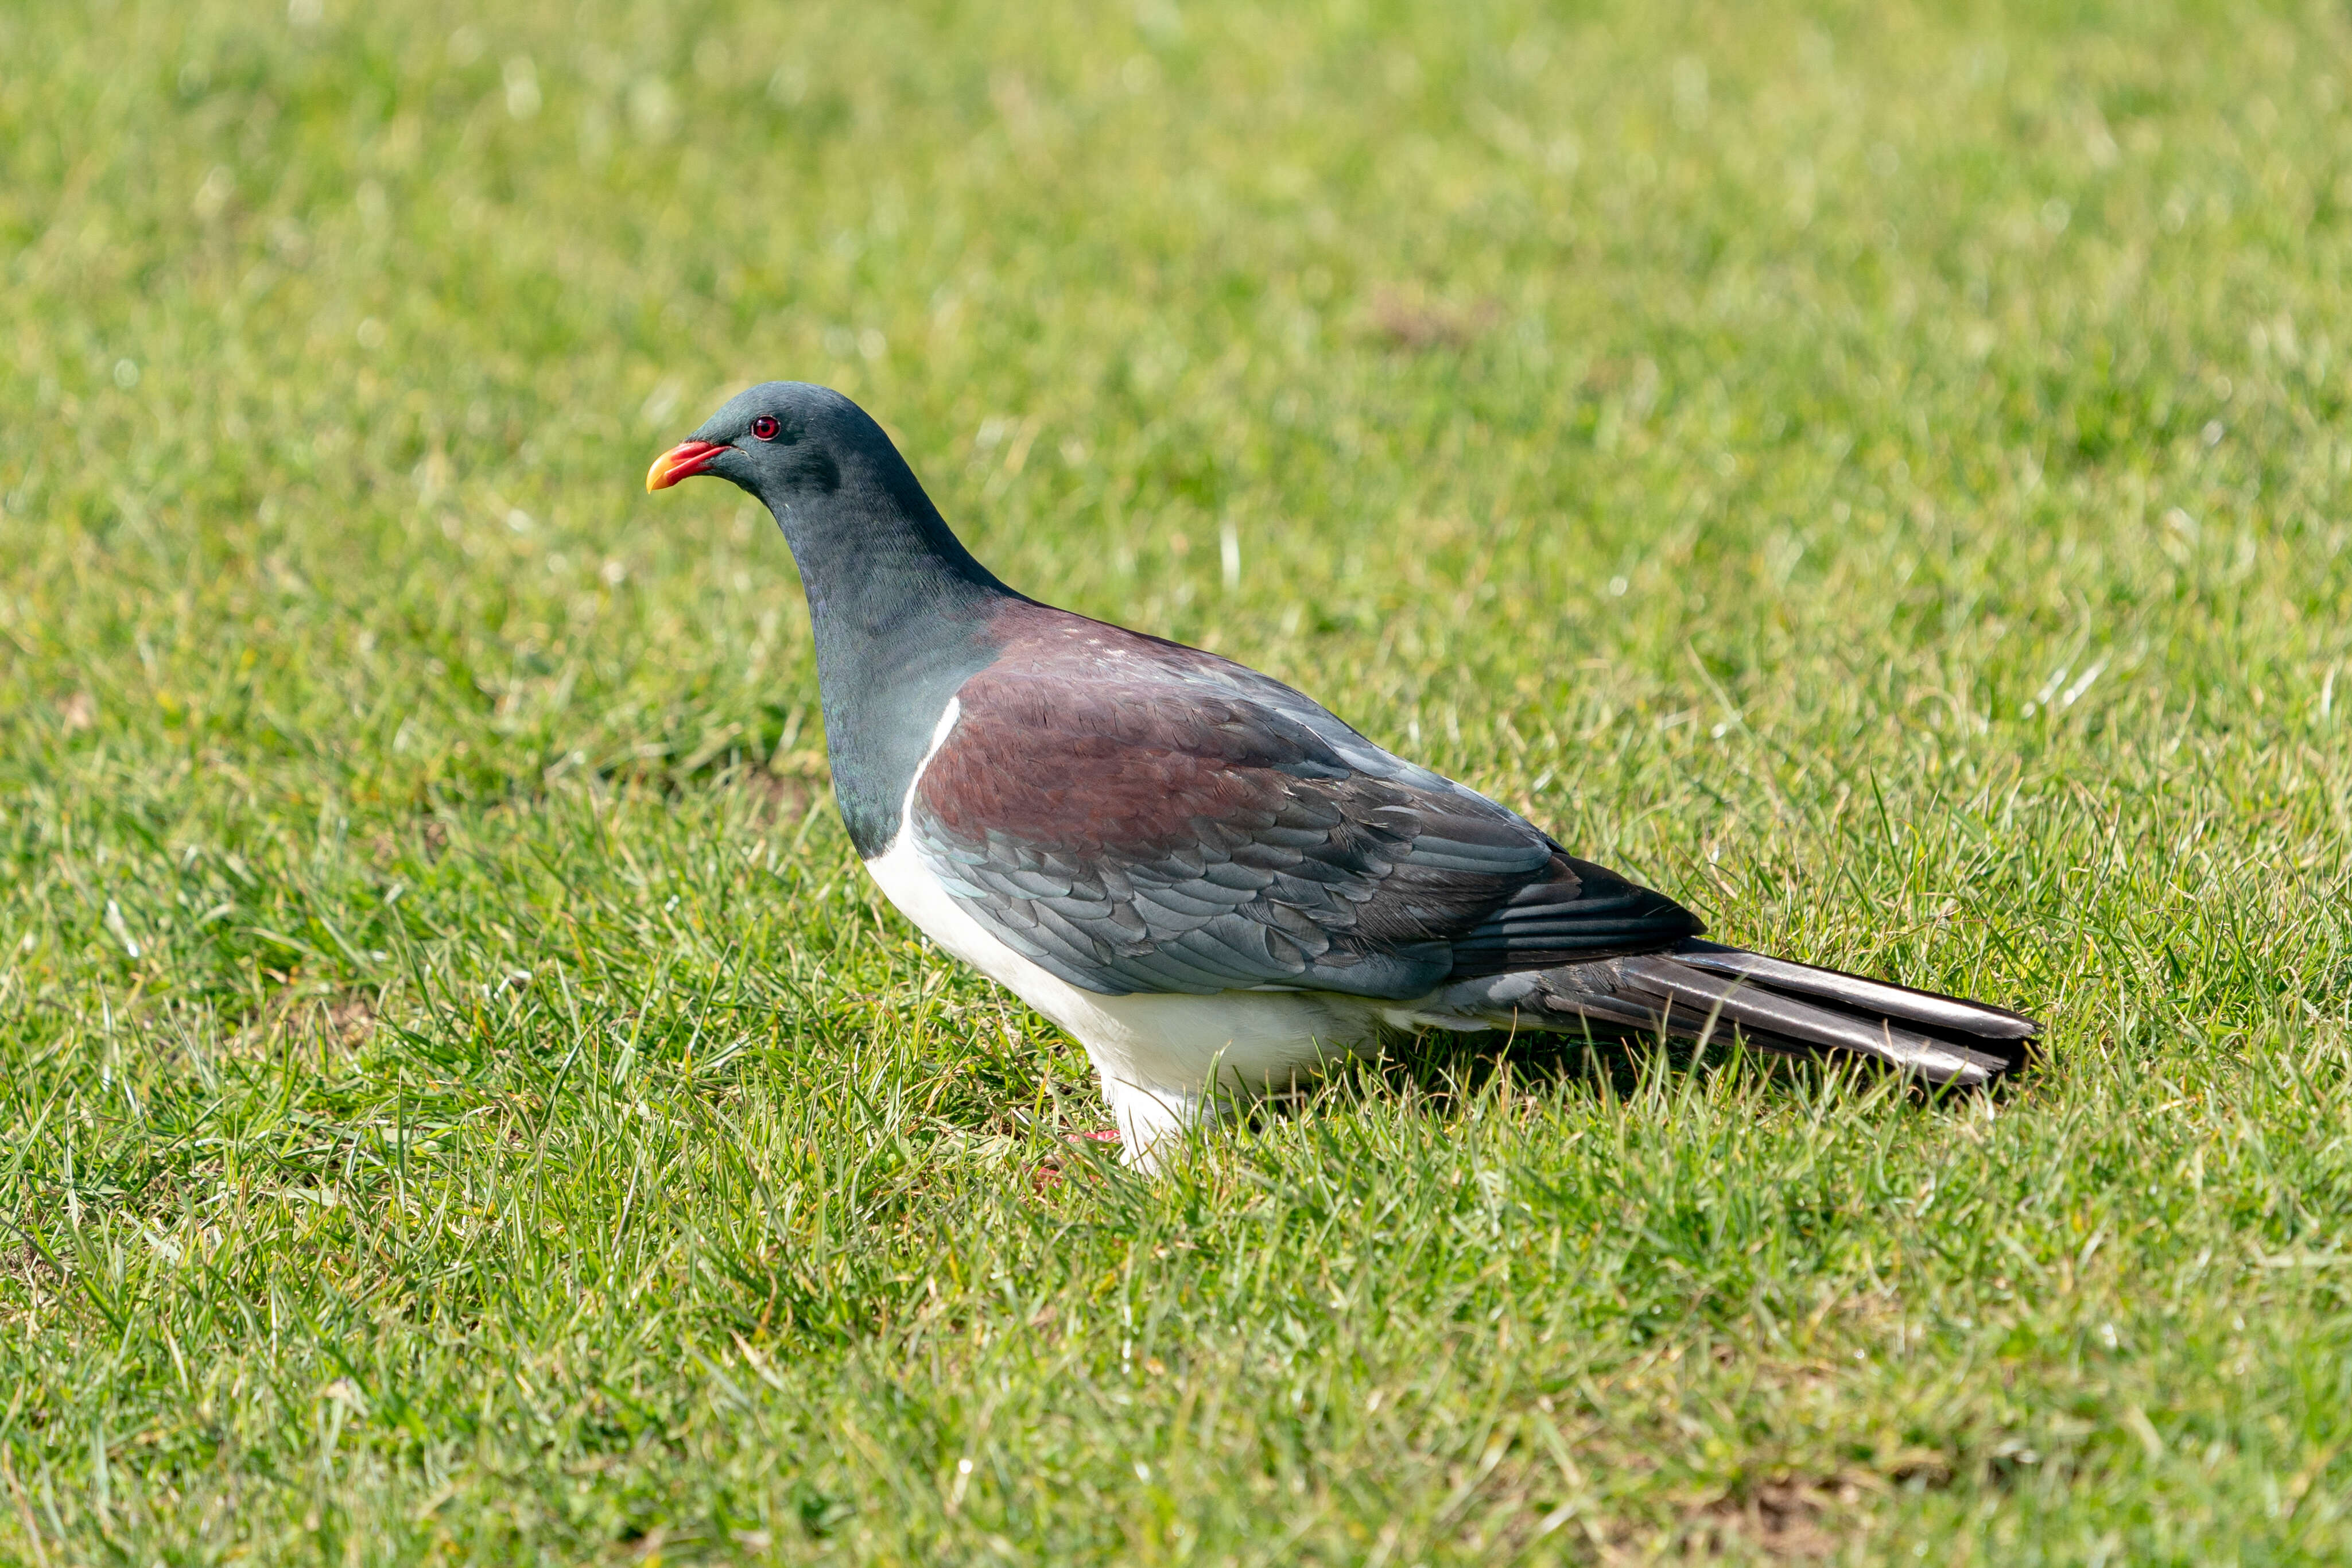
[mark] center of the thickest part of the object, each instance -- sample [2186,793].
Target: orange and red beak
[683,461]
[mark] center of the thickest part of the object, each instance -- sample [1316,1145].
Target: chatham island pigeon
[1208,879]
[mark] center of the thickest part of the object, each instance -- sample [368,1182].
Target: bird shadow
[1436,1073]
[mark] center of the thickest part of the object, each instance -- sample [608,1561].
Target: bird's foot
[1049,1175]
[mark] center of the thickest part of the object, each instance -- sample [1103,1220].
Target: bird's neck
[901,614]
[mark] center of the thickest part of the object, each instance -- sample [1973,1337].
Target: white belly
[1249,1039]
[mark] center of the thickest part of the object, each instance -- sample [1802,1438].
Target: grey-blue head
[847,500]
[782,440]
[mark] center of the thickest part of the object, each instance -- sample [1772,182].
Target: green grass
[1881,473]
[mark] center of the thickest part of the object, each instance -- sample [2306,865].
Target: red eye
[764,428]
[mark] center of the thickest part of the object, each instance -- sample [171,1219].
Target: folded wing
[1136,816]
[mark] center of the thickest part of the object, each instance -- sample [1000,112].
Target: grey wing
[1195,836]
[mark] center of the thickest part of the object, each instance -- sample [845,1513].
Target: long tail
[1701,990]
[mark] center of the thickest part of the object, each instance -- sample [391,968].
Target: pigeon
[1214,884]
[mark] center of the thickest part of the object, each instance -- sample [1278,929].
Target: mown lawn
[1879,471]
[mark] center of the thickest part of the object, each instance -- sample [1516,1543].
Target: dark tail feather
[1702,990]
[1971,1021]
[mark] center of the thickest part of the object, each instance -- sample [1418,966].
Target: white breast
[1156,1054]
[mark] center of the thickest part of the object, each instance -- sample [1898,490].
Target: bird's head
[782,440]
[848,504]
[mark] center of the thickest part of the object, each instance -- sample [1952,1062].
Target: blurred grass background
[1879,472]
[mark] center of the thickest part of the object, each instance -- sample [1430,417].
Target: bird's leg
[1153,1119]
